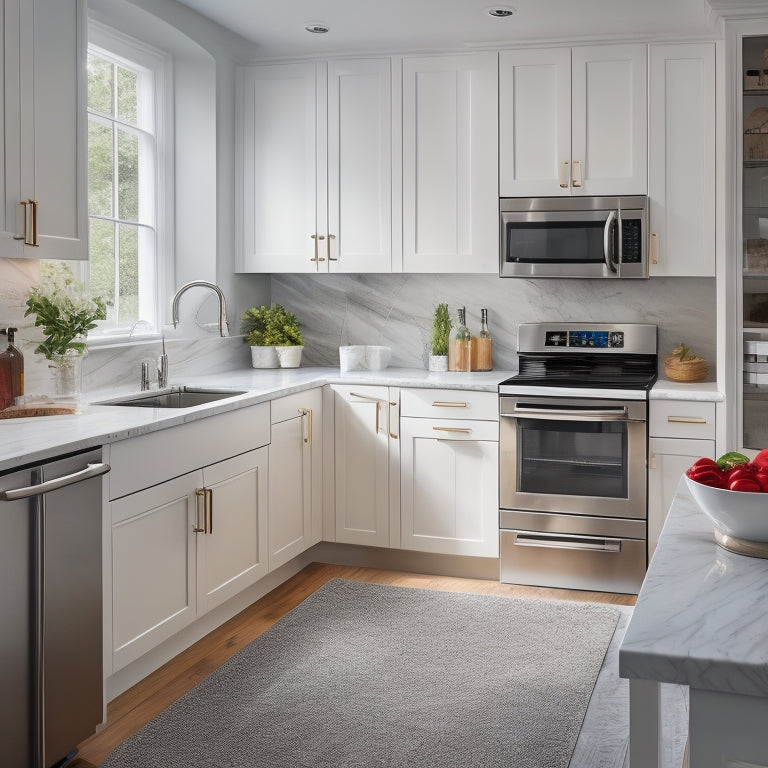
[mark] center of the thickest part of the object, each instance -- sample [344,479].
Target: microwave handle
[608,251]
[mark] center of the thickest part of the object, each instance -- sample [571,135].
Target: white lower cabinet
[449,486]
[295,476]
[183,547]
[366,460]
[680,432]
[449,472]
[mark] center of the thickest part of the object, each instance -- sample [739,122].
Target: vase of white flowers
[65,313]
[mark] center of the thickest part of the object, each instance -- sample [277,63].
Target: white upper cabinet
[314,149]
[44,132]
[450,163]
[682,160]
[573,121]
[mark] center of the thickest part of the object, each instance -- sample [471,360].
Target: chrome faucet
[223,324]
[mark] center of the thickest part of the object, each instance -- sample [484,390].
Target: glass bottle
[11,371]
[460,345]
[482,346]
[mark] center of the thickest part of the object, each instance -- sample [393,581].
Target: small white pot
[264,357]
[438,363]
[289,357]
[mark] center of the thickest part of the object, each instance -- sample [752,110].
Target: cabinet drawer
[284,408]
[449,404]
[682,418]
[144,461]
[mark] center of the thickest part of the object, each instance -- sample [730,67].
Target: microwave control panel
[631,247]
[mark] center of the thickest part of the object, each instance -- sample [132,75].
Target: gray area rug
[368,675]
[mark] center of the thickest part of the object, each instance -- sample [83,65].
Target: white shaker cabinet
[314,148]
[450,163]
[681,182]
[44,164]
[367,460]
[573,121]
[680,432]
[295,476]
[449,463]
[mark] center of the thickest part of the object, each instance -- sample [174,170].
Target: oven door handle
[559,541]
[557,414]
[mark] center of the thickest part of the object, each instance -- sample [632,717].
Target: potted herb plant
[274,335]
[66,314]
[441,328]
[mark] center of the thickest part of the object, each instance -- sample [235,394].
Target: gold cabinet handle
[576,173]
[206,496]
[199,496]
[35,241]
[308,413]
[564,175]
[316,238]
[440,404]
[331,258]
[392,404]
[653,248]
[685,420]
[453,429]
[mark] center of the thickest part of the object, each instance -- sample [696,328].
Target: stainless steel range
[573,450]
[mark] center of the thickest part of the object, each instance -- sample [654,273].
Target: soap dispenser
[11,371]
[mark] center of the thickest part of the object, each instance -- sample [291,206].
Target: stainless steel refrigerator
[51,688]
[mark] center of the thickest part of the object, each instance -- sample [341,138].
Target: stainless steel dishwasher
[51,687]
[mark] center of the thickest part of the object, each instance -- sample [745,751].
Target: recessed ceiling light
[501,11]
[317,28]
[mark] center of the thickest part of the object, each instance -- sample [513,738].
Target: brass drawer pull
[440,404]
[308,413]
[685,420]
[453,429]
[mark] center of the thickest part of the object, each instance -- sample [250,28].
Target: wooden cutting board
[39,409]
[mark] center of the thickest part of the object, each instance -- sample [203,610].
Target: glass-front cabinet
[755,240]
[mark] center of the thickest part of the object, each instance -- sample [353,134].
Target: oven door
[573,456]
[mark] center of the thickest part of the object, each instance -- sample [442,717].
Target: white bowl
[738,514]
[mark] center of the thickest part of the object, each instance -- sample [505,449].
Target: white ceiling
[367,26]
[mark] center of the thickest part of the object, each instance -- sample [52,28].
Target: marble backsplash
[396,310]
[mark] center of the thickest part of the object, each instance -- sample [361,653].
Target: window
[129,181]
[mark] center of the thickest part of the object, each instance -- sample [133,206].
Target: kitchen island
[700,621]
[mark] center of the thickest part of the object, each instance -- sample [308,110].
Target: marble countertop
[700,618]
[31,440]
[707,391]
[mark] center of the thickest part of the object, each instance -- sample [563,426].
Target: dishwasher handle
[91,470]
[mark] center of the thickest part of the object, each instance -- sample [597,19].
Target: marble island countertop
[700,618]
[30,440]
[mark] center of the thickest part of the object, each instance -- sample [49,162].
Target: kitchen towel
[370,675]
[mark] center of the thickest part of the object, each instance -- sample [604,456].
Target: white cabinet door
[295,476]
[362,464]
[669,458]
[358,235]
[682,159]
[449,486]
[232,553]
[534,122]
[277,143]
[450,163]
[609,120]
[44,127]
[153,566]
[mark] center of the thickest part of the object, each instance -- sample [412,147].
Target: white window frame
[126,51]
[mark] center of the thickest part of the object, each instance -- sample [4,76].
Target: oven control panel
[585,339]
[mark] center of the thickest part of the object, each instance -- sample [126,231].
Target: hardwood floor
[137,706]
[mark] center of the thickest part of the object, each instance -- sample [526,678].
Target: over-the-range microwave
[574,236]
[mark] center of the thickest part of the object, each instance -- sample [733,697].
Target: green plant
[63,310]
[441,328]
[271,326]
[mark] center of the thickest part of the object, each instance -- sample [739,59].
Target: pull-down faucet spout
[223,324]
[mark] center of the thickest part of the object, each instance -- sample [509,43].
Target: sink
[175,397]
